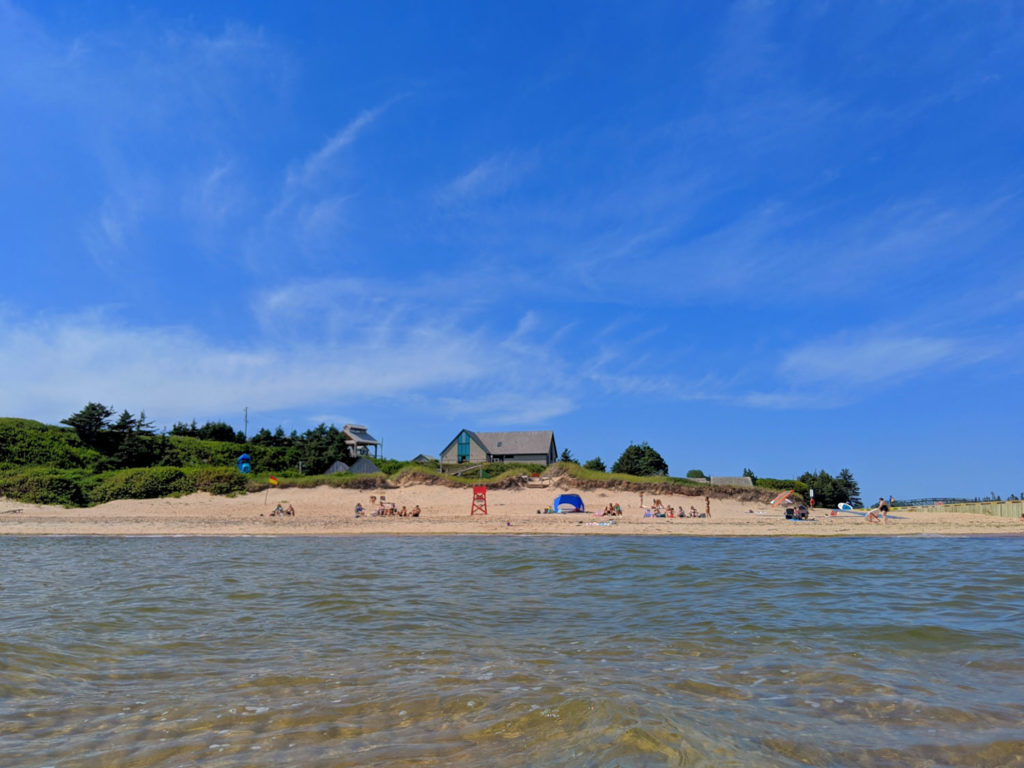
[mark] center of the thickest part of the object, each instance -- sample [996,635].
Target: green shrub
[142,483]
[43,485]
[781,485]
[157,482]
[581,473]
[25,443]
[218,480]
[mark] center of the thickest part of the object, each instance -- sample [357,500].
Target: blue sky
[784,236]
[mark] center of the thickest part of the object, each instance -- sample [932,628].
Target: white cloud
[316,163]
[489,178]
[215,196]
[109,232]
[176,373]
[870,360]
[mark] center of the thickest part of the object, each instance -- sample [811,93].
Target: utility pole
[245,432]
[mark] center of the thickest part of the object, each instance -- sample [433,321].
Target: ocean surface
[511,651]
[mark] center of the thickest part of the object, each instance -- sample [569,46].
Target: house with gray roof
[488,447]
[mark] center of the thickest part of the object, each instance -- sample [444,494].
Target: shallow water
[534,651]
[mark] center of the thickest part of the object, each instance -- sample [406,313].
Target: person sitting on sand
[373,500]
[415,511]
[403,513]
[693,511]
[280,511]
[359,510]
[618,511]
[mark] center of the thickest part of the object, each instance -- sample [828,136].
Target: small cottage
[490,447]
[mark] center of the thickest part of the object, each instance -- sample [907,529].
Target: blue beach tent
[571,499]
[244,464]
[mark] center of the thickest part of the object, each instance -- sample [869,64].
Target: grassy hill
[45,464]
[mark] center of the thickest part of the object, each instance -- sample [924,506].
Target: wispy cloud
[179,373]
[877,358]
[313,166]
[109,232]
[867,361]
[488,178]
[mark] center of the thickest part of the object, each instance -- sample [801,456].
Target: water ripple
[473,651]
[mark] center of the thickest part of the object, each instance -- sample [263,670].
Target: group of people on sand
[282,511]
[612,510]
[658,509]
[383,508]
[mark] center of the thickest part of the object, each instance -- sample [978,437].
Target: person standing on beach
[707,505]
[883,508]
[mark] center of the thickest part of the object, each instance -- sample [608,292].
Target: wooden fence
[997,508]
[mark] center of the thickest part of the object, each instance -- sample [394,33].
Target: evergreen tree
[849,487]
[567,457]
[596,464]
[90,423]
[640,460]
[124,425]
[832,491]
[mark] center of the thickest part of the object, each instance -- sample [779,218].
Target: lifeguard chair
[479,500]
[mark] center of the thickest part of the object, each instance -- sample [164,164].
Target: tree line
[131,441]
[644,461]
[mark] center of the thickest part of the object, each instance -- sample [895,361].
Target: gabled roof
[363,466]
[472,436]
[502,443]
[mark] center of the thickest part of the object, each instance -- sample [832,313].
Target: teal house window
[463,447]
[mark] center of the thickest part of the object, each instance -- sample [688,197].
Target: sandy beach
[330,511]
